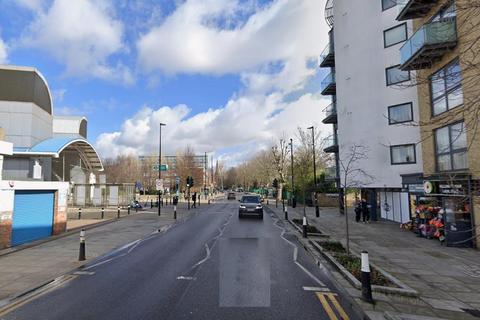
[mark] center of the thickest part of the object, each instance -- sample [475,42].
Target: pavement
[25,269]
[447,279]
[212,266]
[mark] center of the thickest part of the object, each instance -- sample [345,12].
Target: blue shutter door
[32,216]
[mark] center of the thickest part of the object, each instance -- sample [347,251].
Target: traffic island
[311,230]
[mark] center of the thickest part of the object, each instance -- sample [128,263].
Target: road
[213,266]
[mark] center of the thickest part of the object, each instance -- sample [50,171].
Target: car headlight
[259,207]
[242,207]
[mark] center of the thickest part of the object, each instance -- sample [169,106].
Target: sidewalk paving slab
[447,279]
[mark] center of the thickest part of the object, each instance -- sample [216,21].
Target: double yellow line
[328,299]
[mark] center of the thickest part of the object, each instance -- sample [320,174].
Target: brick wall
[5,229]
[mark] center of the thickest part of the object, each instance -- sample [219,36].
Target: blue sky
[227,76]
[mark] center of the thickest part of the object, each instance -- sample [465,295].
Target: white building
[374,105]
[39,155]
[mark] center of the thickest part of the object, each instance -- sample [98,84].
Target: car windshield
[251,199]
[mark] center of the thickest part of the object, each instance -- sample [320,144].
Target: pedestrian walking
[365,212]
[358,210]
[194,199]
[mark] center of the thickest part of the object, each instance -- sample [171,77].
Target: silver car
[250,205]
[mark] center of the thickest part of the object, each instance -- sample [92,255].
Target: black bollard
[175,212]
[305,227]
[79,213]
[317,211]
[118,212]
[81,252]
[103,213]
[366,284]
[128,210]
[286,214]
[151,204]
[276,203]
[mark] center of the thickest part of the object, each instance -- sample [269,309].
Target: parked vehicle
[135,204]
[231,196]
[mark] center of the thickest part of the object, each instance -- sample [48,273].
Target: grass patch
[310,228]
[354,264]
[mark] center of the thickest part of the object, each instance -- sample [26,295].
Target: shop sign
[416,188]
[428,187]
[456,189]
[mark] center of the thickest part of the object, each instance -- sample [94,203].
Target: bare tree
[123,169]
[186,166]
[280,154]
[352,176]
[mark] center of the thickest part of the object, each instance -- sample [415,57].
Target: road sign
[159,184]
[163,167]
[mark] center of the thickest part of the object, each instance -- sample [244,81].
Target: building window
[446,88]
[395,35]
[403,154]
[400,113]
[387,4]
[395,75]
[451,147]
[446,13]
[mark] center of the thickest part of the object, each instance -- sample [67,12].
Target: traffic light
[275,183]
[189,181]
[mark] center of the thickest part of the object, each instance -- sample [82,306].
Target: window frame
[451,152]
[394,27]
[403,145]
[447,91]
[394,83]
[385,9]
[397,105]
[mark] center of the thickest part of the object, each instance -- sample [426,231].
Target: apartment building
[373,104]
[443,51]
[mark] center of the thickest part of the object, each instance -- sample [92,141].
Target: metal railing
[328,81]
[331,141]
[429,34]
[330,110]
[329,49]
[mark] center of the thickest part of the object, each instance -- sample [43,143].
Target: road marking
[316,289]
[185,278]
[82,273]
[328,309]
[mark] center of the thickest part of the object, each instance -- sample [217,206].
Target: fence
[101,195]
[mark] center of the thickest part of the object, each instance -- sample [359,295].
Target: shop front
[441,208]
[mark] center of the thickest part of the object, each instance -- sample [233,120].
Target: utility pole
[317,210]
[294,201]
[160,166]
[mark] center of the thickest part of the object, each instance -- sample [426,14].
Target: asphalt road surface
[213,266]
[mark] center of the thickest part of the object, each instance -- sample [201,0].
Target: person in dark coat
[194,199]
[358,210]
[365,212]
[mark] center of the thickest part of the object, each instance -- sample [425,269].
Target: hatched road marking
[328,308]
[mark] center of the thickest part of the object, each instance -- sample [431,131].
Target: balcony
[331,174]
[328,85]
[327,57]
[331,144]
[330,113]
[411,9]
[428,45]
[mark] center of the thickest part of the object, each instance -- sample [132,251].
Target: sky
[227,77]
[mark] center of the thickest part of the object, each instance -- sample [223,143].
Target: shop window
[396,75]
[451,147]
[446,88]
[403,154]
[395,35]
[400,113]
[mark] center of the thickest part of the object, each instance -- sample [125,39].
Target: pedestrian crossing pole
[366,283]
[81,253]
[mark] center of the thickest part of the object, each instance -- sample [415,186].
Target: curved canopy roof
[55,146]
[25,84]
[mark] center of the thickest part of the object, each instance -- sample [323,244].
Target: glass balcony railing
[328,85]
[327,57]
[330,173]
[411,9]
[330,113]
[331,144]
[430,42]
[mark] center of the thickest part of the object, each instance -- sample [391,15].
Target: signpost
[163,167]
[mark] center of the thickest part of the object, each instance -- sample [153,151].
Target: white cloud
[83,35]
[3,52]
[187,41]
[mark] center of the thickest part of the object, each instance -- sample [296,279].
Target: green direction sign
[163,167]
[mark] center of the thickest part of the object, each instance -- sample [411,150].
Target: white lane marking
[317,289]
[82,273]
[295,254]
[186,278]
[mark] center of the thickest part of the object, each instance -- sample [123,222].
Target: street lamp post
[294,201]
[160,165]
[317,210]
